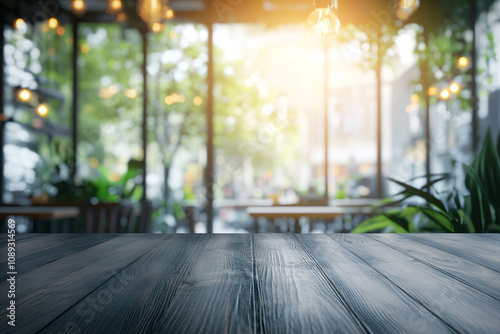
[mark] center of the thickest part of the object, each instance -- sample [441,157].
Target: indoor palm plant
[475,212]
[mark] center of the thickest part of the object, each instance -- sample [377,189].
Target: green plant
[477,212]
[102,188]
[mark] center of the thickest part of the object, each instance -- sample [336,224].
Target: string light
[53,23]
[115,6]
[42,110]
[154,11]
[445,94]
[121,17]
[197,101]
[170,14]
[406,8]
[454,88]
[157,27]
[24,95]
[78,5]
[463,62]
[85,48]
[60,31]
[432,91]
[130,93]
[323,23]
[20,25]
[175,98]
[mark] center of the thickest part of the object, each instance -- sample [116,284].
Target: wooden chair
[108,217]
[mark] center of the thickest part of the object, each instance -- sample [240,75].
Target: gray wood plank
[460,306]
[46,292]
[471,273]
[23,243]
[495,236]
[292,294]
[49,252]
[19,236]
[154,280]
[217,295]
[378,303]
[474,248]
[42,242]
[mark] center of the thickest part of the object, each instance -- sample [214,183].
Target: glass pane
[177,70]
[37,85]
[110,111]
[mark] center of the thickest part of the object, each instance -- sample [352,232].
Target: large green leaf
[409,190]
[489,171]
[494,228]
[378,223]
[498,144]
[480,213]
[438,218]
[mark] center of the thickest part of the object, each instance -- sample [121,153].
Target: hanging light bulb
[454,88]
[79,6]
[121,17]
[115,6]
[24,95]
[463,62]
[42,110]
[154,11]
[20,25]
[406,8]
[170,14]
[157,27]
[445,94]
[53,23]
[323,24]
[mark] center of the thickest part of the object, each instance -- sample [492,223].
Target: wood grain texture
[217,295]
[267,283]
[292,295]
[20,243]
[52,251]
[471,273]
[462,308]
[18,237]
[46,292]
[40,242]
[474,248]
[154,280]
[360,285]
[495,236]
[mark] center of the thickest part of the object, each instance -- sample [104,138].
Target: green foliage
[479,213]
[102,188]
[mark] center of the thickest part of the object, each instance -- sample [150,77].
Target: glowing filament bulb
[454,88]
[42,110]
[157,27]
[170,14]
[24,95]
[116,4]
[53,23]
[323,24]
[324,27]
[445,94]
[78,5]
[432,91]
[121,17]
[463,62]
[19,24]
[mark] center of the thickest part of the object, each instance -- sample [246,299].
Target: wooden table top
[318,212]
[260,283]
[40,212]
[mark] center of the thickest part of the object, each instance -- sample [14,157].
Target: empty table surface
[40,212]
[254,283]
[318,212]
